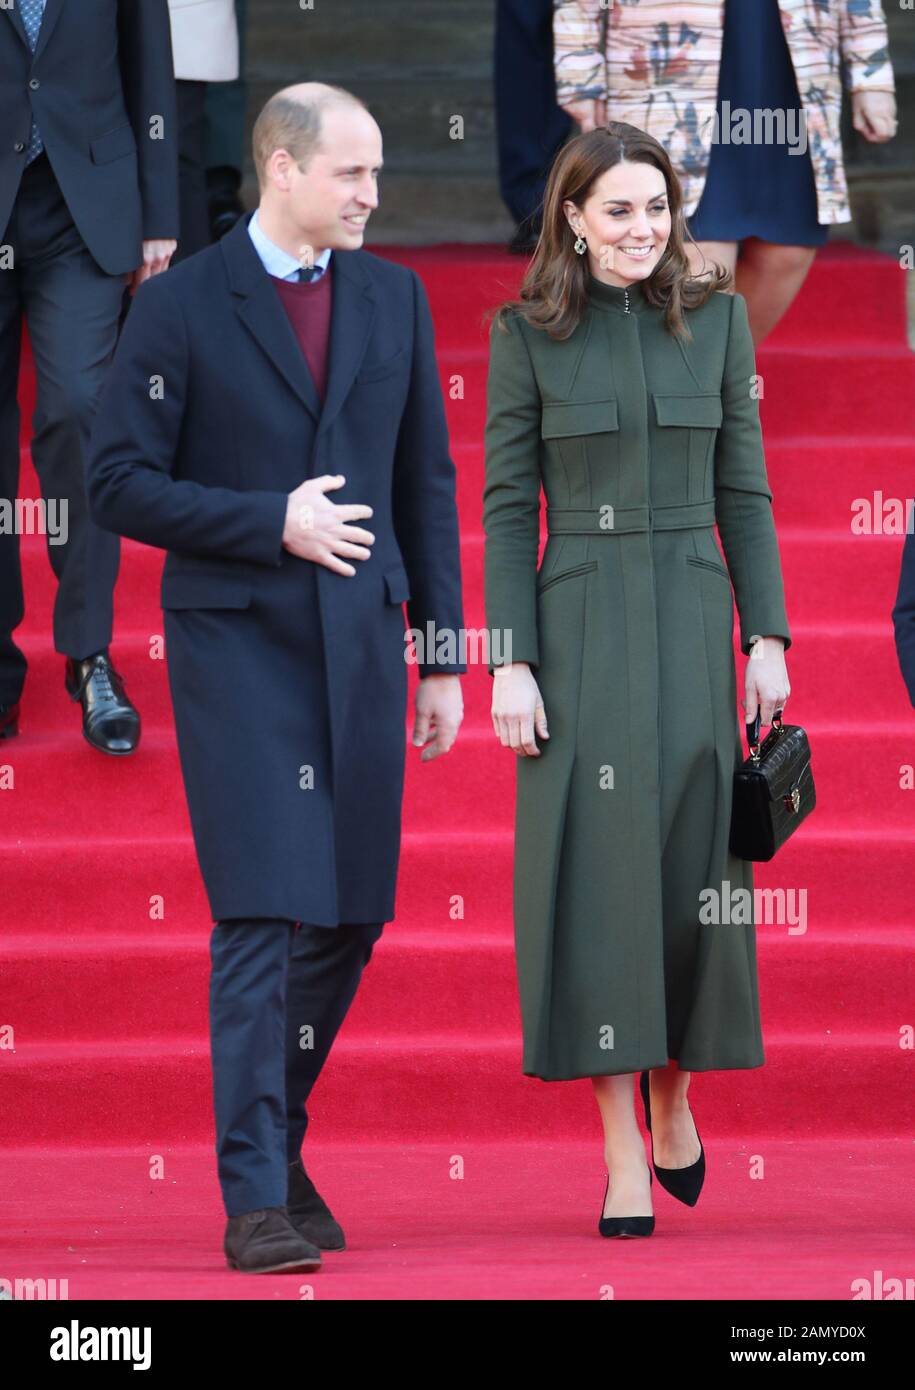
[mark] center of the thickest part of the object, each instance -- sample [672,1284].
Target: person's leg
[673,1130]
[701,254]
[629,1193]
[769,277]
[12,607]
[325,967]
[195,223]
[247,1000]
[225,139]
[530,126]
[73,311]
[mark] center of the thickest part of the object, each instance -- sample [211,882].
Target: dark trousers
[531,128]
[73,310]
[192,184]
[279,992]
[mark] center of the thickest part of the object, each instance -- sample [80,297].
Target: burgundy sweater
[308,304]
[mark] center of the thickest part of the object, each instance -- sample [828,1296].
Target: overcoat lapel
[260,310]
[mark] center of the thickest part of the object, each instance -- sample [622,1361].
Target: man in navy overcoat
[296,528]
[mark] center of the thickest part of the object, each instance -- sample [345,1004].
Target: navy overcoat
[288,680]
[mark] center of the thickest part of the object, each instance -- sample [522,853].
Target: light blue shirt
[279,262]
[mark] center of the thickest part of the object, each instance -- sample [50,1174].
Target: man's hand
[766,679]
[156,256]
[316,529]
[439,710]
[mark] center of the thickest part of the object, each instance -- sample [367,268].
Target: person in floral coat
[669,67]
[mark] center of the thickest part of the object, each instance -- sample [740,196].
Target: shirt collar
[278,262]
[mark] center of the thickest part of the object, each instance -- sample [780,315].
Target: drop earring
[581,245]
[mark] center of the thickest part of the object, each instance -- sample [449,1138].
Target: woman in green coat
[626,388]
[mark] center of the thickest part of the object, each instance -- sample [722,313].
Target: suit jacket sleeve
[148,82]
[904,614]
[511,497]
[424,506]
[743,499]
[134,442]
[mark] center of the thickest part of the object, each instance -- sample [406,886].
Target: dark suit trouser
[279,992]
[73,310]
[226,103]
[531,127]
[192,186]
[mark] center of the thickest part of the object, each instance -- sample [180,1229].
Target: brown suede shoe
[265,1241]
[309,1213]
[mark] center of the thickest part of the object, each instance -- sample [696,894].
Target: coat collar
[260,310]
[49,19]
[626,301]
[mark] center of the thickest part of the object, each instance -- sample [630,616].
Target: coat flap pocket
[377,371]
[205,591]
[114,144]
[397,584]
[696,412]
[561,419]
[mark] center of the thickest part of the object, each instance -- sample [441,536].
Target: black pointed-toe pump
[683,1183]
[624,1225]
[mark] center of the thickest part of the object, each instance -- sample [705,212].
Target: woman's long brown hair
[553,294]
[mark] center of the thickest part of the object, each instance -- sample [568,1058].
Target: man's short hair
[289,124]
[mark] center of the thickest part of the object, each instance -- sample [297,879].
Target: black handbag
[773,789]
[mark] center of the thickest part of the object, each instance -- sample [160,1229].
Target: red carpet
[111,1068]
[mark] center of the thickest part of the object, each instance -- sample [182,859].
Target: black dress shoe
[265,1242]
[9,720]
[309,1213]
[683,1183]
[624,1225]
[110,722]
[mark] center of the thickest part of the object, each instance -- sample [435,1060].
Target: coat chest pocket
[566,419]
[698,412]
[687,433]
[380,371]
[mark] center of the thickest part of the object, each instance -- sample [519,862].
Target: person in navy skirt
[782,67]
[756,192]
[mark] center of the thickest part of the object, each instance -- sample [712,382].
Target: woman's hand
[589,114]
[766,679]
[517,709]
[874,115]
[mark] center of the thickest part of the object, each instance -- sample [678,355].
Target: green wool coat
[642,443]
